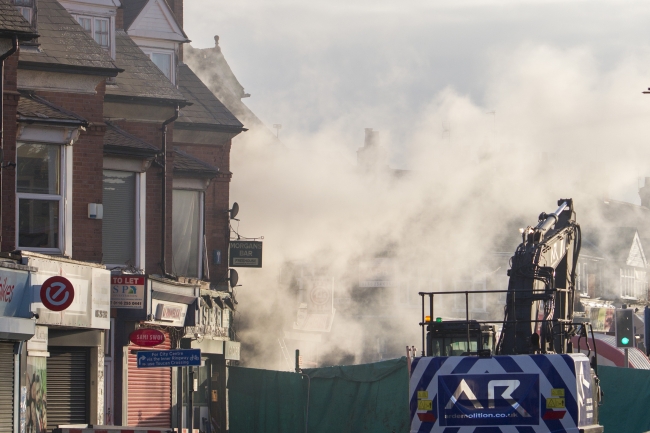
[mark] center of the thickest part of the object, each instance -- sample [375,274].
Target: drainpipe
[163,263]
[14,48]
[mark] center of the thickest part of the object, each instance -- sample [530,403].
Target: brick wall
[87,180]
[152,134]
[217,202]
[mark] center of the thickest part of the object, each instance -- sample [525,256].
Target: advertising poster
[36,398]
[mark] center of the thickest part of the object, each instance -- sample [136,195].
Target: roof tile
[141,77]
[13,22]
[206,108]
[64,42]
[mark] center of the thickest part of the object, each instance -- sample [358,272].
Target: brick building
[116,178]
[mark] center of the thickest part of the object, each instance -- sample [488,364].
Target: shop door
[68,386]
[6,387]
[149,391]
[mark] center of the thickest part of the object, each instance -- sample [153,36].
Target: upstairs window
[119,224]
[26,7]
[39,195]
[98,28]
[187,233]
[164,63]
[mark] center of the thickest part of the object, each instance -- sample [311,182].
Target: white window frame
[172,67]
[117,164]
[65,204]
[201,228]
[111,29]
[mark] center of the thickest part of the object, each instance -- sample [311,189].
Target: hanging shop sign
[127,291]
[245,254]
[146,337]
[57,293]
[169,358]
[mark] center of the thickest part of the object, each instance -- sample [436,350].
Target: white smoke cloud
[491,138]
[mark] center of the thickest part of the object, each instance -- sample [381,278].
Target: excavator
[473,377]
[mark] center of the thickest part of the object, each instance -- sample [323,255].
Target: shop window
[119,223]
[187,233]
[40,196]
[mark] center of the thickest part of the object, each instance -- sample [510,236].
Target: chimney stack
[119,18]
[644,193]
[372,156]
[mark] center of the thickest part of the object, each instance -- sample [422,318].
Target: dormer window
[98,28]
[164,59]
[26,7]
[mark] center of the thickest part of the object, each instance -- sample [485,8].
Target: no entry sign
[57,293]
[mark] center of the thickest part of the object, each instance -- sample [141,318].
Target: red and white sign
[147,337]
[57,293]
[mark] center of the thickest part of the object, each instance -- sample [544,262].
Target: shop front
[155,306]
[65,358]
[16,327]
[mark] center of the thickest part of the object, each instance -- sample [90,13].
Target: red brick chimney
[119,19]
[177,8]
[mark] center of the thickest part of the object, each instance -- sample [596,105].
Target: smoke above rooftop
[484,152]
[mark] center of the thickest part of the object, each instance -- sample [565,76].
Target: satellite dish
[234,278]
[234,211]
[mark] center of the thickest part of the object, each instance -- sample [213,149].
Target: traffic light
[624,328]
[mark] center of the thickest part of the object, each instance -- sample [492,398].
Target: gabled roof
[13,23]
[184,163]
[141,77]
[621,244]
[65,45]
[34,109]
[144,13]
[132,9]
[206,110]
[119,142]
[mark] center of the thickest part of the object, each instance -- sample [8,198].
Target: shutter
[118,225]
[149,392]
[67,386]
[6,387]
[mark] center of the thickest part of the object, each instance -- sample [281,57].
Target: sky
[348,65]
[496,108]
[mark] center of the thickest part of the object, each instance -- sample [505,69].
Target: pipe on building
[163,263]
[14,48]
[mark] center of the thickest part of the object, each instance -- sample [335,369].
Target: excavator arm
[539,304]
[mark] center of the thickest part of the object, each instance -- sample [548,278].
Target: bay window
[187,233]
[39,192]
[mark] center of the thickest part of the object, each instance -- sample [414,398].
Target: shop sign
[127,291]
[232,350]
[147,337]
[170,313]
[57,293]
[245,254]
[13,285]
[92,290]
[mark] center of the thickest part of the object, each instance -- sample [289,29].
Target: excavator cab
[459,338]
